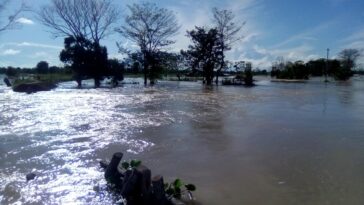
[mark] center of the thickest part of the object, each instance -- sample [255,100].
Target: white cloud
[40,54]
[307,35]
[10,52]
[118,56]
[356,40]
[26,21]
[30,44]
[38,45]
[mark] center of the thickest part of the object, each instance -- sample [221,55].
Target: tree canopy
[228,33]
[88,19]
[205,51]
[87,59]
[151,28]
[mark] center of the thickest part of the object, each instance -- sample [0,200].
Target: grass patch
[53,78]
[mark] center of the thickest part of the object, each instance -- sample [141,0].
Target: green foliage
[289,70]
[86,58]
[205,51]
[348,58]
[42,67]
[177,188]
[11,71]
[151,28]
[130,165]
[248,77]
[342,73]
[116,69]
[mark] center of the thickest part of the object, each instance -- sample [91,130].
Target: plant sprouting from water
[132,164]
[178,188]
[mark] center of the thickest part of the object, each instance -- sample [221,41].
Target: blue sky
[293,29]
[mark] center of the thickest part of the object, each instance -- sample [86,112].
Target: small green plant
[177,188]
[132,164]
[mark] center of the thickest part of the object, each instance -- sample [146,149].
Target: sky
[292,29]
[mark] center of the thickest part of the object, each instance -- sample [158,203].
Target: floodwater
[276,143]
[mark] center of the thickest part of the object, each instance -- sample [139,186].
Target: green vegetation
[204,52]
[46,78]
[130,165]
[85,58]
[296,70]
[341,68]
[152,29]
[178,188]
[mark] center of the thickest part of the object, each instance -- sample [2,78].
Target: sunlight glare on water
[283,143]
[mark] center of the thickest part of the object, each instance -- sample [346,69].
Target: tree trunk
[145,74]
[79,83]
[217,77]
[97,82]
[145,65]
[221,66]
[208,80]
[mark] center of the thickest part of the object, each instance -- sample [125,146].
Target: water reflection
[283,143]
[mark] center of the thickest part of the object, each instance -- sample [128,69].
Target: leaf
[190,187]
[135,163]
[177,193]
[125,165]
[170,191]
[177,183]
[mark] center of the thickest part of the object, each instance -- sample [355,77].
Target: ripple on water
[62,131]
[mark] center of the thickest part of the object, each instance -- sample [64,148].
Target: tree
[11,22]
[116,69]
[151,28]
[349,57]
[290,70]
[277,66]
[88,19]
[86,59]
[342,68]
[205,51]
[248,74]
[228,33]
[317,67]
[42,67]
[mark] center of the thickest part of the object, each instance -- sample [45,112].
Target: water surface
[275,143]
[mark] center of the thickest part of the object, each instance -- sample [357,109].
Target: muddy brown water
[276,143]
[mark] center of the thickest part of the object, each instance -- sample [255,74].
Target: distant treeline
[341,68]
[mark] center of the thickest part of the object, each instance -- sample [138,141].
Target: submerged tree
[205,51]
[84,23]
[228,33]
[151,28]
[86,59]
[116,69]
[347,58]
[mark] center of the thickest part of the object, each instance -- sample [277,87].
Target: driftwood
[7,82]
[136,185]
